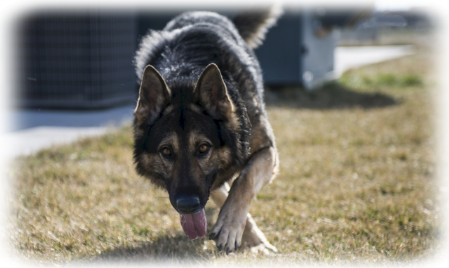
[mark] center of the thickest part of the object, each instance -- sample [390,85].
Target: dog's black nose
[188,204]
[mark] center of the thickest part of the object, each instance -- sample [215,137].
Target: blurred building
[403,26]
[366,31]
[84,60]
[425,16]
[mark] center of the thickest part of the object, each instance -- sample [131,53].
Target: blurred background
[76,72]
[84,59]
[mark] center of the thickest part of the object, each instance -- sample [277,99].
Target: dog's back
[250,25]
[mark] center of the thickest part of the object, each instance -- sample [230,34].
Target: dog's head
[188,138]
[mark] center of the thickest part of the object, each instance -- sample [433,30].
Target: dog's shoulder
[193,38]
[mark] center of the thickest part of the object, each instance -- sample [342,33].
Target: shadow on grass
[176,248]
[330,96]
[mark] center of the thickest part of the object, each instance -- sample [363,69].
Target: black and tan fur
[200,123]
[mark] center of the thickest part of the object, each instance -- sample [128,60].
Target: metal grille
[74,54]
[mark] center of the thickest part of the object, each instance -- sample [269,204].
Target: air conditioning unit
[76,60]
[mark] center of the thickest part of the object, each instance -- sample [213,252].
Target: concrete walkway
[31,130]
[34,130]
[352,57]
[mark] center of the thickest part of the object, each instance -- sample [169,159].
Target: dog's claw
[212,236]
[227,251]
[220,247]
[235,245]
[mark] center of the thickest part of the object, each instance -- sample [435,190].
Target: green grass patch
[385,80]
[392,80]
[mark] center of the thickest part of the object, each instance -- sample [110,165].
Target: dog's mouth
[195,224]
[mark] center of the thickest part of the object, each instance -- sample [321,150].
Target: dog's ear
[153,96]
[211,93]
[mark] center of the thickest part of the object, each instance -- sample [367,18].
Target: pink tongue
[194,225]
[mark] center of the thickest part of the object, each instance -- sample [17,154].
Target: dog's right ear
[153,96]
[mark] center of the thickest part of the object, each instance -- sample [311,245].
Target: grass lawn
[357,183]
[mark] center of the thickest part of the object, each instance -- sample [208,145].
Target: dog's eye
[204,148]
[166,152]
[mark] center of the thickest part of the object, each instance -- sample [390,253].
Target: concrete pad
[352,57]
[32,130]
[24,119]
[27,141]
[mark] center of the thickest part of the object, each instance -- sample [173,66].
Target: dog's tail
[253,24]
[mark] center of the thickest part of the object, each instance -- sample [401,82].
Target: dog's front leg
[231,222]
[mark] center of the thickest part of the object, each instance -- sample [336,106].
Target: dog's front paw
[228,229]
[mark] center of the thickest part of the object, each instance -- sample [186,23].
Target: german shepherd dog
[200,124]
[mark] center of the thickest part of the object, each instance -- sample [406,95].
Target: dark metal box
[76,60]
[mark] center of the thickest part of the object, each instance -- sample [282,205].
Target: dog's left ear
[211,93]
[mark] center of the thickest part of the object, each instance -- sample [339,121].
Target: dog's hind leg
[219,195]
[252,236]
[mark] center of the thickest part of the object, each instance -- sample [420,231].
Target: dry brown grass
[357,182]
